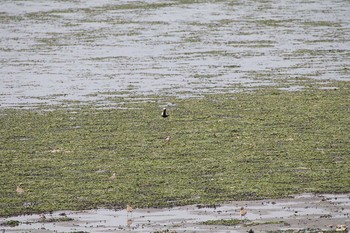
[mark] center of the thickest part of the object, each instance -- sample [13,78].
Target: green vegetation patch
[59,219]
[271,22]
[322,24]
[265,223]
[227,222]
[243,146]
[10,223]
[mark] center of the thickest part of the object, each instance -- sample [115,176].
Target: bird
[42,217]
[129,209]
[242,212]
[342,228]
[129,222]
[164,113]
[167,139]
[112,177]
[19,189]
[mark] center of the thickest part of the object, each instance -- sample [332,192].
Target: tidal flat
[244,146]
[257,92]
[296,214]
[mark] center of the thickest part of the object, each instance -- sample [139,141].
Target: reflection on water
[56,51]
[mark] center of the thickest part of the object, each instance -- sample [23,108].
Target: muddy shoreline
[306,211]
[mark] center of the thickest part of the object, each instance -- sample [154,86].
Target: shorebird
[19,190]
[129,222]
[112,177]
[167,139]
[164,113]
[42,217]
[242,212]
[129,209]
[342,228]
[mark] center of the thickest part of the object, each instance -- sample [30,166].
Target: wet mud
[307,211]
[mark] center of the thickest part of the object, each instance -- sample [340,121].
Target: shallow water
[300,212]
[56,52]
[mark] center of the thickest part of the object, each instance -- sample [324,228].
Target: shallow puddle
[58,52]
[299,212]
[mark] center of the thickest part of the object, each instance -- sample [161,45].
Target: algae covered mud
[58,52]
[241,146]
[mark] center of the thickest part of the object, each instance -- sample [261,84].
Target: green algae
[243,146]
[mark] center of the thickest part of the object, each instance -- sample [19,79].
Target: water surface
[62,51]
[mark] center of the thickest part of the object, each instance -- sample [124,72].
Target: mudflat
[299,213]
[257,94]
